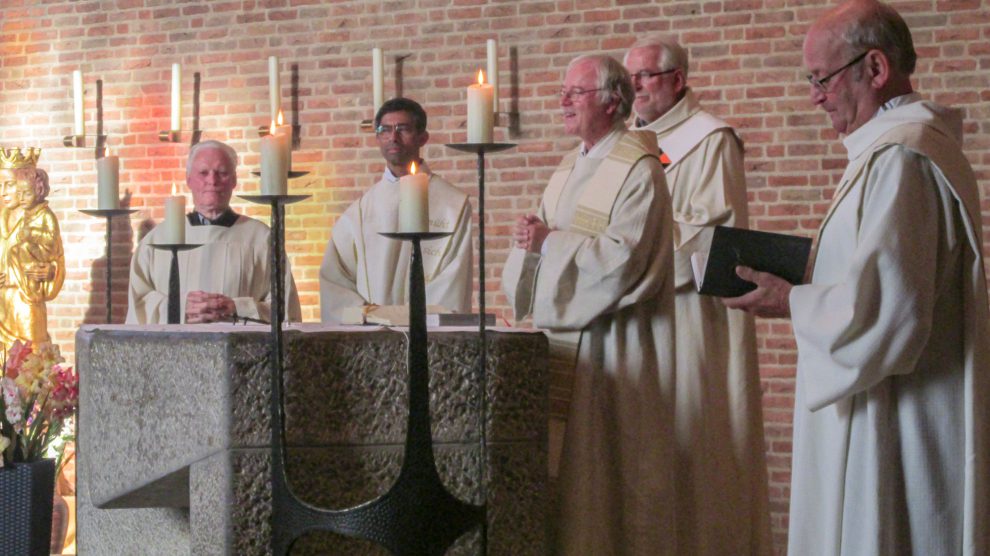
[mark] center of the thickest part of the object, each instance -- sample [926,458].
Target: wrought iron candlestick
[480,149]
[174,303]
[108,214]
[417,516]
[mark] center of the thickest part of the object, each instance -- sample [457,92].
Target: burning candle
[175,218]
[378,77]
[493,71]
[480,111]
[274,87]
[78,116]
[275,161]
[108,181]
[414,201]
[176,98]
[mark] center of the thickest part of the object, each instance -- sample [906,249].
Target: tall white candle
[78,114]
[493,70]
[414,201]
[378,77]
[275,162]
[108,181]
[175,218]
[274,87]
[480,111]
[176,98]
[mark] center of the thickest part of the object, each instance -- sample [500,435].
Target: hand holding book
[768,265]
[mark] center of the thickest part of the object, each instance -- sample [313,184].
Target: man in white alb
[229,276]
[722,501]
[360,267]
[594,268]
[890,419]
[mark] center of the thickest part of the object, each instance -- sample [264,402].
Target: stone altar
[174,433]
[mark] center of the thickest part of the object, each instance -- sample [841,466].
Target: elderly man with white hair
[594,268]
[722,502]
[229,276]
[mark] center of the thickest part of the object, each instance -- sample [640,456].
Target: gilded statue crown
[17,157]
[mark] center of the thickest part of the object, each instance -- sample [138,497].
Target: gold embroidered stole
[591,217]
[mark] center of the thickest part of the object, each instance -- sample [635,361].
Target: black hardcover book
[780,254]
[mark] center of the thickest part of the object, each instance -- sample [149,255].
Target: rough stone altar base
[174,433]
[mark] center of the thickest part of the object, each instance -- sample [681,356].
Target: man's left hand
[771,298]
[529,233]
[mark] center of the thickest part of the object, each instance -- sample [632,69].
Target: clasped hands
[203,307]
[529,233]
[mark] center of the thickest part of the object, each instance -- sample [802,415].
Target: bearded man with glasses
[360,267]
[722,501]
[594,268]
[891,439]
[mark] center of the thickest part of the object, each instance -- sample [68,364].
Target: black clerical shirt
[226,219]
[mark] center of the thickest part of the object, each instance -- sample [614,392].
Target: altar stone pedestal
[174,433]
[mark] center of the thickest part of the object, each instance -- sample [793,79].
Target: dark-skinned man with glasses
[593,267]
[722,500]
[891,443]
[360,267]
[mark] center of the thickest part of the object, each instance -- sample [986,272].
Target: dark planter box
[26,492]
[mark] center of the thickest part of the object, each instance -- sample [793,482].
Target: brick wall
[746,64]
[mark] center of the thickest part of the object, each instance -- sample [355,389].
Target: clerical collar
[421,168]
[605,144]
[226,219]
[898,101]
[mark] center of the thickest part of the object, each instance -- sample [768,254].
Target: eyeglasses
[401,129]
[643,75]
[576,91]
[821,84]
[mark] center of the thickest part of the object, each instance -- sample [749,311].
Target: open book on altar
[780,254]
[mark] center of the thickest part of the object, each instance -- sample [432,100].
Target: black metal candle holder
[417,516]
[108,214]
[480,149]
[174,304]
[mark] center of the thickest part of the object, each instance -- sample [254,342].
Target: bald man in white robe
[891,444]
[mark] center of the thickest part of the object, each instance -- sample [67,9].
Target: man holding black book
[891,446]
[722,503]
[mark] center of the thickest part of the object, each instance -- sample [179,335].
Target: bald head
[861,25]
[858,55]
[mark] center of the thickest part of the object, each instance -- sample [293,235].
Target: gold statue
[32,263]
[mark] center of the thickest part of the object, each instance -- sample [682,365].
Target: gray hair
[670,53]
[880,27]
[228,152]
[614,82]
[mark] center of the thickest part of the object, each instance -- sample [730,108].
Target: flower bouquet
[39,395]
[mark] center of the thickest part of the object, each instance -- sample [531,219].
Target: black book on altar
[780,254]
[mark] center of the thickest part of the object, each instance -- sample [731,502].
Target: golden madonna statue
[32,263]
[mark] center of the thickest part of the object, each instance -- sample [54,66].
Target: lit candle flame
[106,152]
[272,128]
[174,190]
[412,167]
[280,120]
[481,77]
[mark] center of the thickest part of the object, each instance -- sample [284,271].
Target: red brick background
[745,63]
